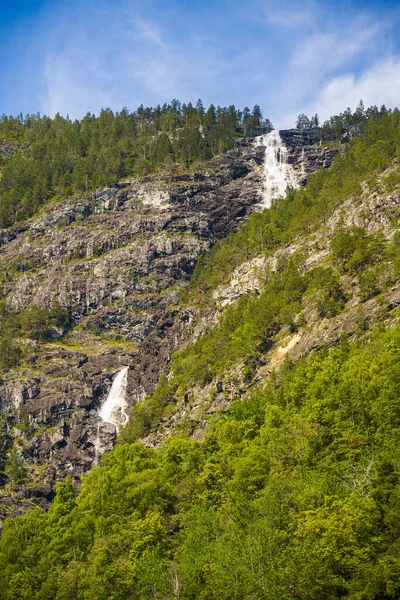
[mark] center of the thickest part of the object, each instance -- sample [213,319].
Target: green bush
[327,290]
[10,353]
[34,323]
[37,323]
[353,249]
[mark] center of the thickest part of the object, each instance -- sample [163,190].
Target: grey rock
[117,261]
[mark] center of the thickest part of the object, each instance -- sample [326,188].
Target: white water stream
[113,409]
[278,173]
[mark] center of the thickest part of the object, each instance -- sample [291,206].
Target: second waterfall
[278,173]
[113,413]
[113,409]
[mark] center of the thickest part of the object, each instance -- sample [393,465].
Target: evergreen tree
[303,122]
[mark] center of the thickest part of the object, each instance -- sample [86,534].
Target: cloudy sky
[288,56]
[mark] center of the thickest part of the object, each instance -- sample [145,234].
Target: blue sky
[288,56]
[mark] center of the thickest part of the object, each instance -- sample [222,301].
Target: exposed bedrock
[117,261]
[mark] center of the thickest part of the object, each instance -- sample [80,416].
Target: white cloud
[380,84]
[67,90]
[150,32]
[319,58]
[322,52]
[318,55]
[290,14]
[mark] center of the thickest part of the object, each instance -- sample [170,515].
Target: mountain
[116,262]
[256,353]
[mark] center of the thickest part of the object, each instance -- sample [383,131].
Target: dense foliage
[56,157]
[33,323]
[344,125]
[293,494]
[305,210]
[249,327]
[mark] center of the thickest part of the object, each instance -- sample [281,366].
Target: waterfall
[278,174]
[113,409]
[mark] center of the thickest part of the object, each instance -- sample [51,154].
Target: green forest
[57,157]
[293,494]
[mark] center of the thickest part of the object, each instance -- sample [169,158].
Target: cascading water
[113,410]
[278,174]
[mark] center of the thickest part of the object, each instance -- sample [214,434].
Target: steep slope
[339,281]
[116,262]
[276,467]
[299,292]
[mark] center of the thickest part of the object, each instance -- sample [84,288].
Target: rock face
[117,261]
[295,138]
[7,149]
[306,153]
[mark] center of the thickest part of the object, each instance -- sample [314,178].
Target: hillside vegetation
[293,493]
[56,157]
[305,209]
[248,328]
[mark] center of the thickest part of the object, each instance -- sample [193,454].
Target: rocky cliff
[7,149]
[117,261]
[376,214]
